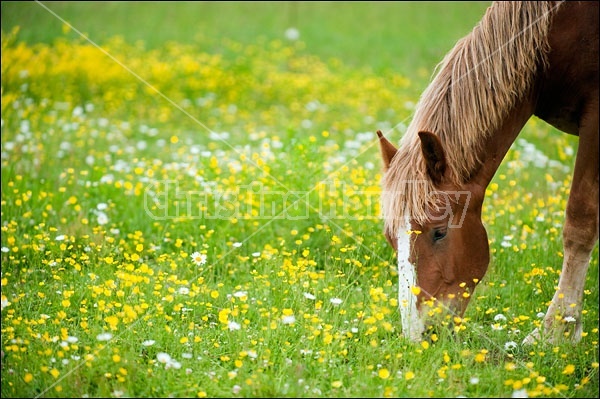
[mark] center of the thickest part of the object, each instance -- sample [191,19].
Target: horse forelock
[475,86]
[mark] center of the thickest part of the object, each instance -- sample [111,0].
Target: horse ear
[387,150]
[435,158]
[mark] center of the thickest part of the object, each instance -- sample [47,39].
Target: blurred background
[413,36]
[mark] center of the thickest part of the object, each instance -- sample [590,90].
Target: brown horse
[522,59]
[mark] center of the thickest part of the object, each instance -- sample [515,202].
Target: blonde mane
[476,85]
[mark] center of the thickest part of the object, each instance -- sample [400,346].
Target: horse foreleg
[580,234]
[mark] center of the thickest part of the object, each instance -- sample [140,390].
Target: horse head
[441,257]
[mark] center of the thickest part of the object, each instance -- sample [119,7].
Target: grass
[112,286]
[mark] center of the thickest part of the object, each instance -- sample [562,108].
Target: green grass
[98,170]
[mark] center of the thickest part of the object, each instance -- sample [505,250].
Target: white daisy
[233,326]
[499,317]
[198,258]
[173,364]
[292,34]
[335,301]
[520,393]
[104,336]
[510,345]
[163,357]
[102,218]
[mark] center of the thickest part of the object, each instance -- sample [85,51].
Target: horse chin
[422,318]
[427,323]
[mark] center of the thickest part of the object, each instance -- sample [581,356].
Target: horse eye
[438,234]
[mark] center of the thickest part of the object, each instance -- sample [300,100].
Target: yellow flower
[570,369]
[224,315]
[113,321]
[409,375]
[383,373]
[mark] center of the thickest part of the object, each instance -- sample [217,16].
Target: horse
[522,59]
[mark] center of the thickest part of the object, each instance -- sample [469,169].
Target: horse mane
[476,85]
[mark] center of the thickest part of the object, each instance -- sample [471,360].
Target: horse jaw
[412,325]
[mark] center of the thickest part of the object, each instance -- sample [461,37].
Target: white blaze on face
[412,325]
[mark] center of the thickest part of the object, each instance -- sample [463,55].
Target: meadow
[192,209]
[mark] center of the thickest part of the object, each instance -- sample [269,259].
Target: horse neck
[499,141]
